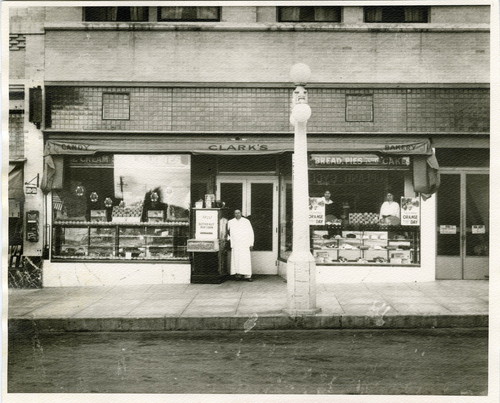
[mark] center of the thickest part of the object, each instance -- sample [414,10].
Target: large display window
[363,210]
[122,207]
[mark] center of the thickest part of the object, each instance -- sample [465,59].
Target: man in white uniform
[389,211]
[241,237]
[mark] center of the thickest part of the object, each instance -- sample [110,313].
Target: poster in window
[410,210]
[316,211]
[168,175]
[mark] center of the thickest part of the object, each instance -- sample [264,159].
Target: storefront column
[301,266]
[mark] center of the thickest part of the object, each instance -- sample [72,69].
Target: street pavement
[452,362]
[261,304]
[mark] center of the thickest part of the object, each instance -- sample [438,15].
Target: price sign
[447,229]
[479,229]
[30,189]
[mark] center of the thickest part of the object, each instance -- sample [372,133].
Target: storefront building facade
[132,144]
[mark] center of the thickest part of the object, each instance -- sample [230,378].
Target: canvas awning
[88,144]
[16,181]
[233,146]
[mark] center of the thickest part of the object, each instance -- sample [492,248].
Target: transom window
[309,14]
[118,14]
[396,14]
[115,106]
[188,13]
[359,108]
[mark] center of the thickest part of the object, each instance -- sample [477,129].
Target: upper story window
[396,14]
[188,13]
[309,14]
[118,14]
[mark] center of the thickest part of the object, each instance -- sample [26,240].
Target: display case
[394,245]
[121,242]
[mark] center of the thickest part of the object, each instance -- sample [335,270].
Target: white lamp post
[301,267]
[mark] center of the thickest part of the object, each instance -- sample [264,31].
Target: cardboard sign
[316,211]
[206,225]
[479,229]
[410,210]
[447,229]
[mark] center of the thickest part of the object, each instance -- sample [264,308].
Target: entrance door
[463,225]
[257,197]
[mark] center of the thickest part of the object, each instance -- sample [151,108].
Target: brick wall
[266,56]
[267,109]
[16,135]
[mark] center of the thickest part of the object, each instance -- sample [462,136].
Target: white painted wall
[72,274]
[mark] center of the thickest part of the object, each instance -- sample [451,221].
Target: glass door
[463,225]
[257,198]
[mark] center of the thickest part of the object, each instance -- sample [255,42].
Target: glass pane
[286,221]
[102,242]
[477,215]
[131,243]
[153,182]
[262,215]
[189,13]
[448,214]
[232,195]
[71,243]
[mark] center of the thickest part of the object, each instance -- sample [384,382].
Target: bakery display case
[129,242]
[394,245]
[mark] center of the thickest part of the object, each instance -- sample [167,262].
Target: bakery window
[362,210]
[122,207]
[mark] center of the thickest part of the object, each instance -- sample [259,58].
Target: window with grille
[115,106]
[188,13]
[396,14]
[359,108]
[309,14]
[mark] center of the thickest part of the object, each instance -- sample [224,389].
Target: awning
[16,181]
[88,144]
[233,146]
[426,178]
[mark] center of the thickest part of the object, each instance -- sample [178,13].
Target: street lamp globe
[301,113]
[300,73]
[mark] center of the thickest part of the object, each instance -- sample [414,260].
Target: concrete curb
[23,325]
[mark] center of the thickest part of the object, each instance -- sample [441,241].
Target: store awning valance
[60,145]
[235,146]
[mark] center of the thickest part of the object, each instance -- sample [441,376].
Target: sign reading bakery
[357,160]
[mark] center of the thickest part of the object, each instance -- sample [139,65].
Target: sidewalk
[236,305]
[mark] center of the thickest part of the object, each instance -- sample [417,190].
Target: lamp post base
[302,312]
[301,285]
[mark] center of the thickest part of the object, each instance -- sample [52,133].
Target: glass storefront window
[477,215]
[362,222]
[123,207]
